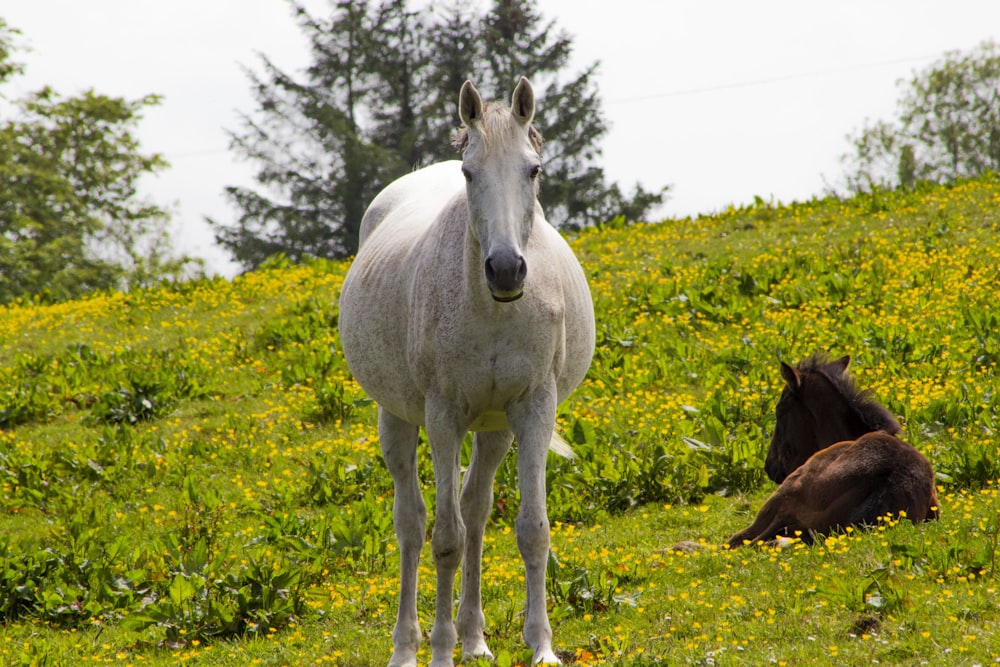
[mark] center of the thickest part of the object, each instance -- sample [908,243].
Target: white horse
[465,310]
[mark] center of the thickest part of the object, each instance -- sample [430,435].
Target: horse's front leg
[399,450]
[445,429]
[477,503]
[533,422]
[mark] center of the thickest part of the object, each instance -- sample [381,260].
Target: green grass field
[191,476]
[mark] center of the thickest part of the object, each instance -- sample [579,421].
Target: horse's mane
[872,413]
[491,125]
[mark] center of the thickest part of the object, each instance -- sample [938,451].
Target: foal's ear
[792,377]
[522,102]
[470,105]
[842,364]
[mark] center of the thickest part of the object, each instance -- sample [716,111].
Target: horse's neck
[848,421]
[877,418]
[846,415]
[836,430]
[836,420]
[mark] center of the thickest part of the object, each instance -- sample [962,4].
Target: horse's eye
[536,169]
[467,174]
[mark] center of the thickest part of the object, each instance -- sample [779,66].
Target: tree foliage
[948,126]
[379,99]
[70,218]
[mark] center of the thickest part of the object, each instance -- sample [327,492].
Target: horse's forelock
[495,123]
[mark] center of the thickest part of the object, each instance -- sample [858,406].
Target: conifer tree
[379,100]
[313,158]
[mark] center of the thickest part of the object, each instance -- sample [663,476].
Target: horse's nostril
[505,270]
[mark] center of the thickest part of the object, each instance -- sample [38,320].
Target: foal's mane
[492,125]
[872,413]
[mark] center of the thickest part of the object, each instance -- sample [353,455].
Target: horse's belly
[492,420]
[373,338]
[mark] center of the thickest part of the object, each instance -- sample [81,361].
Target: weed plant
[190,474]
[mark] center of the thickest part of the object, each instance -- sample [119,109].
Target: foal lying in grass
[835,454]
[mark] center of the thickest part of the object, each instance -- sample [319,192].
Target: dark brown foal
[837,459]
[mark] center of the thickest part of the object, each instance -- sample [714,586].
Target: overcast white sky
[721,99]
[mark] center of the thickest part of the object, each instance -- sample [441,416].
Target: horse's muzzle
[505,271]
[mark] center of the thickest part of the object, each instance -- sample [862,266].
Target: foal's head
[820,405]
[501,164]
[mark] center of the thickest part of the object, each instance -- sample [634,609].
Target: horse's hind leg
[477,503]
[778,515]
[399,450]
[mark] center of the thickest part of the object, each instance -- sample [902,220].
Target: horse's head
[819,406]
[501,164]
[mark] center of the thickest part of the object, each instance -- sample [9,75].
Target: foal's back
[850,483]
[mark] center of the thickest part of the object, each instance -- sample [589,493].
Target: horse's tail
[561,447]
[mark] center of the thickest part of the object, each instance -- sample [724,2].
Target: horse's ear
[842,364]
[522,102]
[792,377]
[470,105]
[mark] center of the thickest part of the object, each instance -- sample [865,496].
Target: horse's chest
[488,365]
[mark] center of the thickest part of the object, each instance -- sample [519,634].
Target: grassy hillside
[190,474]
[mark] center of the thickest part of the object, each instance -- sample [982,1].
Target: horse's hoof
[546,657]
[404,655]
[477,652]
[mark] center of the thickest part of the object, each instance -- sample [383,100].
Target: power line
[775,79]
[676,93]
[196,153]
